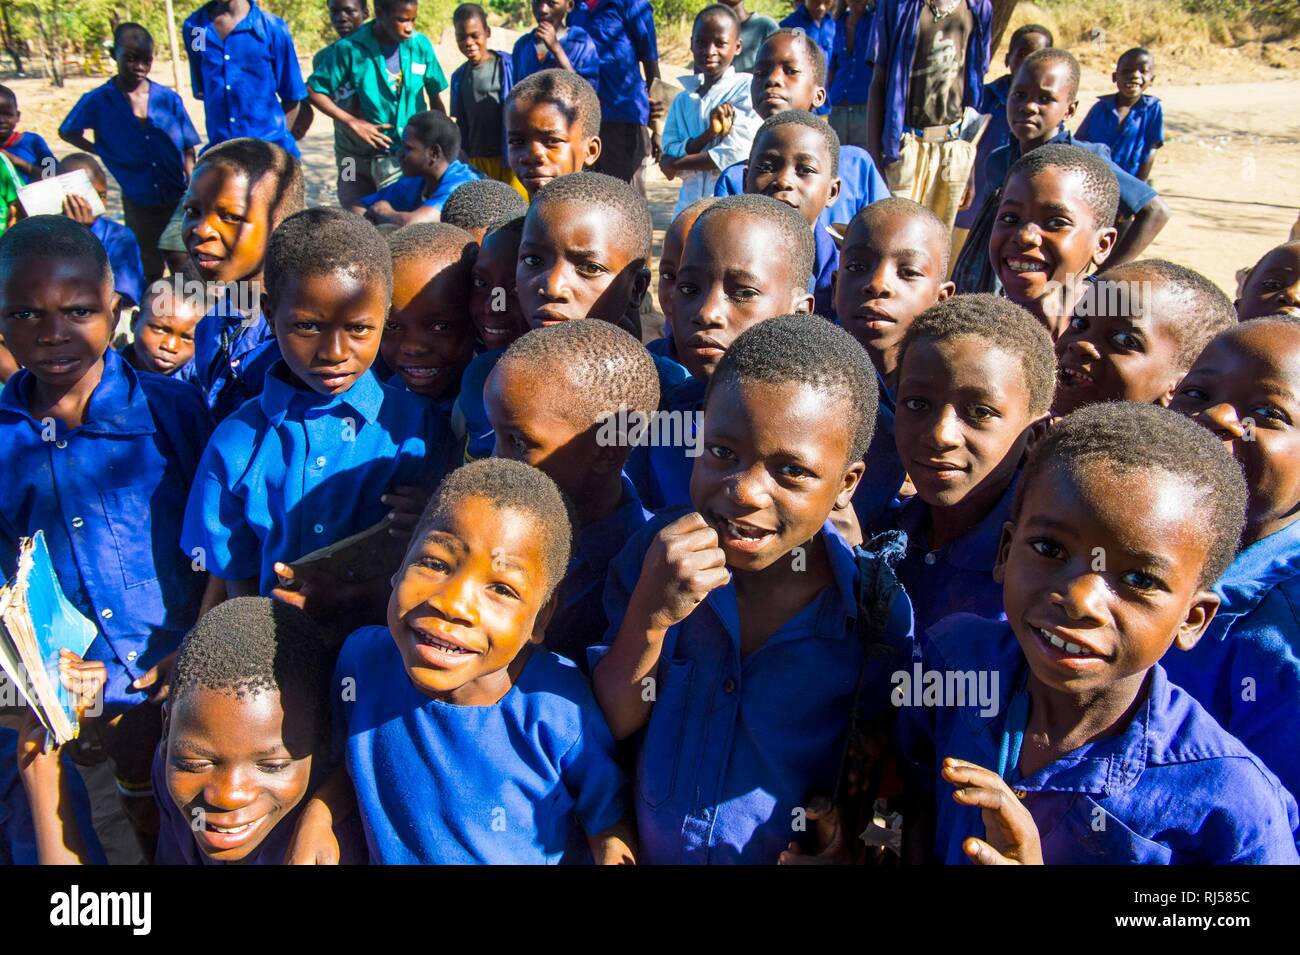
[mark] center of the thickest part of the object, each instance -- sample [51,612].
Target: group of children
[424,557]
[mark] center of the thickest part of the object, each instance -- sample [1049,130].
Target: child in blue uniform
[119,242]
[430,173]
[1130,121]
[733,640]
[554,46]
[241,190]
[559,400]
[100,458]
[1135,331]
[975,373]
[308,462]
[1125,515]
[466,741]
[27,151]
[1245,388]
[850,71]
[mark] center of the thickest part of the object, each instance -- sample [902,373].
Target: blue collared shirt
[33,148]
[893,48]
[851,72]
[860,185]
[294,471]
[826,262]
[1132,141]
[226,340]
[245,79]
[524,781]
[406,194]
[734,746]
[109,495]
[123,257]
[1246,668]
[1171,787]
[578,46]
[624,34]
[885,472]
[823,33]
[147,159]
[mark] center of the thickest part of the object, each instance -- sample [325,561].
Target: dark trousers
[148,222]
[623,148]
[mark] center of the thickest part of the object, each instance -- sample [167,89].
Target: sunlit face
[428,336]
[328,327]
[543,143]
[226,223]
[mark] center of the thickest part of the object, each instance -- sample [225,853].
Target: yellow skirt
[494,168]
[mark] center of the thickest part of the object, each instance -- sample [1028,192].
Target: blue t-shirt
[109,495]
[1132,141]
[523,781]
[1134,194]
[624,34]
[407,193]
[850,72]
[577,45]
[147,159]
[33,148]
[123,257]
[860,185]
[1171,787]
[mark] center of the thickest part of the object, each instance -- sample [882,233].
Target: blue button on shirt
[851,72]
[147,159]
[1246,668]
[624,34]
[1132,141]
[860,185]
[294,471]
[1172,787]
[578,46]
[521,782]
[823,33]
[245,79]
[406,194]
[110,495]
[123,257]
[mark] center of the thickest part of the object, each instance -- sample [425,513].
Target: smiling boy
[1130,121]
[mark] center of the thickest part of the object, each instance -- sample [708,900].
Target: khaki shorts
[933,174]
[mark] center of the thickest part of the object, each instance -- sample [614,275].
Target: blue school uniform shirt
[233,348]
[893,48]
[1132,141]
[624,34]
[885,472]
[954,578]
[123,257]
[17,830]
[294,471]
[244,79]
[523,781]
[1172,787]
[109,495]
[579,620]
[33,148]
[578,46]
[406,194]
[826,262]
[823,33]
[1246,668]
[851,72]
[860,185]
[147,159]
[734,746]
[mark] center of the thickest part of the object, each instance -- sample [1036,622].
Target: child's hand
[158,676]
[668,166]
[370,133]
[828,838]
[546,34]
[313,841]
[78,210]
[683,565]
[1010,833]
[722,119]
[319,595]
[657,110]
[85,680]
[407,503]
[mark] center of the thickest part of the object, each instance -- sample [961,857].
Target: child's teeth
[1073,648]
[1056,641]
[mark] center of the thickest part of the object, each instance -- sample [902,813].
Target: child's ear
[946,290]
[166,710]
[544,615]
[801,301]
[1004,548]
[1071,110]
[849,484]
[593,152]
[834,193]
[639,289]
[1105,244]
[1171,388]
[267,304]
[819,97]
[1192,627]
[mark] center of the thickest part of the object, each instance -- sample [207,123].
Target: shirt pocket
[129,513]
[661,750]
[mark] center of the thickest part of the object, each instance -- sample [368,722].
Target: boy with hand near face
[466,741]
[1130,121]
[1125,515]
[1135,331]
[554,46]
[314,458]
[712,123]
[1245,388]
[430,174]
[553,126]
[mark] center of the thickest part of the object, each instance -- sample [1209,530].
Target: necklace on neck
[947,8]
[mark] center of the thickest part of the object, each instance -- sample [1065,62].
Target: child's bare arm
[615,846]
[313,841]
[1143,231]
[1010,833]
[79,140]
[683,564]
[1144,171]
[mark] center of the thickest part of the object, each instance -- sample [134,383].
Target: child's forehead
[1054,188]
[1271,348]
[543,114]
[579,226]
[897,232]
[1137,504]
[714,24]
[792,138]
[1136,61]
[1283,259]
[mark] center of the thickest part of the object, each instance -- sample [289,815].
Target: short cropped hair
[247,646]
[799,117]
[82,161]
[433,127]
[811,46]
[568,92]
[127,31]
[477,204]
[872,215]
[631,215]
[1100,187]
[258,160]
[1133,438]
[1135,52]
[30,242]
[999,323]
[1029,29]
[517,486]
[797,245]
[716,10]
[469,11]
[810,351]
[10,95]
[1054,54]
[321,241]
[433,241]
[606,368]
[1203,309]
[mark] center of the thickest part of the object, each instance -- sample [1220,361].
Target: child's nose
[878,283]
[1083,598]
[170,343]
[748,488]
[1223,421]
[1084,348]
[946,431]
[555,286]
[230,788]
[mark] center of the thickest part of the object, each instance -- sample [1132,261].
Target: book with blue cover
[36,622]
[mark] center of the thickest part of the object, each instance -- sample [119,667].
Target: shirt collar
[725,82]
[1257,569]
[280,396]
[117,406]
[977,549]
[599,543]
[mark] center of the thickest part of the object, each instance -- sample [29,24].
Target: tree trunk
[8,38]
[1002,10]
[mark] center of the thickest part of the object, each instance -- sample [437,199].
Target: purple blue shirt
[407,193]
[123,257]
[624,34]
[578,46]
[850,72]
[1132,141]
[33,148]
